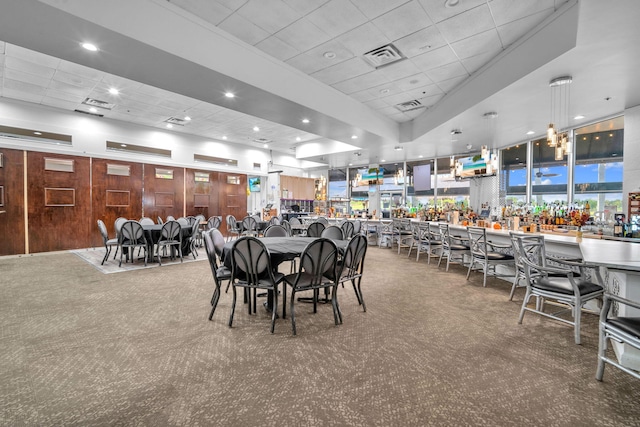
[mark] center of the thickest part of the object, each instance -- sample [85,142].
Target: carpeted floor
[78,347]
[94,257]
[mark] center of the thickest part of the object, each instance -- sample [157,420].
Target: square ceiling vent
[384,55]
[176,121]
[410,106]
[97,103]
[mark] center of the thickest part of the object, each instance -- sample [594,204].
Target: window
[416,175]
[162,173]
[338,184]
[513,173]
[120,170]
[548,176]
[58,165]
[451,191]
[201,177]
[598,170]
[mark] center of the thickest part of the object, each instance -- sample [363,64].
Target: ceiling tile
[305,6]
[505,11]
[513,31]
[438,12]
[403,20]
[429,101]
[343,71]
[230,4]
[466,24]
[474,63]
[210,11]
[364,96]
[383,90]
[74,79]
[272,18]
[277,48]
[303,35]
[435,58]
[374,8]
[243,29]
[26,77]
[59,103]
[488,41]
[399,70]
[376,104]
[341,51]
[23,87]
[307,64]
[65,96]
[28,67]
[337,17]
[413,82]
[364,81]
[9,92]
[420,42]
[425,91]
[41,59]
[80,70]
[68,88]
[447,72]
[398,98]
[2,47]
[363,39]
[447,85]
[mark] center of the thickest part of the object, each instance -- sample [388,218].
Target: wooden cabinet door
[12,202]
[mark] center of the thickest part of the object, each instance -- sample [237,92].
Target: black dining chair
[219,272]
[170,237]
[131,237]
[251,270]
[232,227]
[348,229]
[275,230]
[108,243]
[317,261]
[351,267]
[315,229]
[214,222]
[333,232]
[249,226]
[285,224]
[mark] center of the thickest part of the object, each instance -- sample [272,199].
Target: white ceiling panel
[364,81]
[512,31]
[438,12]
[435,58]
[230,4]
[474,63]
[374,8]
[31,56]
[65,96]
[413,82]
[14,63]
[26,77]
[505,11]
[399,70]
[305,6]
[488,41]
[273,18]
[277,48]
[309,64]
[303,35]
[336,17]
[448,84]
[211,11]
[74,79]
[343,71]
[403,20]
[446,72]
[58,103]
[80,70]
[420,42]
[363,39]
[11,89]
[243,29]
[466,24]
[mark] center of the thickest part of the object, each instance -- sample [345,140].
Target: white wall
[631,171]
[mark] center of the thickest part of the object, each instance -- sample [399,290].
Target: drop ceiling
[294,59]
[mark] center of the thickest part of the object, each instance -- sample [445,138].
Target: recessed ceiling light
[382,160]
[398,148]
[37,133]
[266,145]
[298,139]
[579,117]
[187,118]
[93,110]
[123,145]
[420,157]
[229,95]
[384,91]
[610,135]
[113,91]
[230,160]
[90,47]
[305,121]
[350,164]
[329,55]
[224,136]
[169,125]
[451,3]
[354,136]
[530,132]
[256,129]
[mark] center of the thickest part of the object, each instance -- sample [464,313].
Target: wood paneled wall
[59,203]
[163,196]
[12,229]
[63,206]
[114,195]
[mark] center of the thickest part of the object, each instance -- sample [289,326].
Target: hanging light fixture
[557,134]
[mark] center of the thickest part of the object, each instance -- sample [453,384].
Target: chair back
[274,221]
[103,231]
[348,229]
[191,220]
[434,233]
[200,218]
[249,223]
[214,222]
[232,223]
[275,230]
[218,241]
[117,224]
[160,221]
[332,232]
[319,259]
[357,226]
[250,261]
[445,236]
[285,224]
[132,233]
[170,218]
[210,248]
[322,220]
[171,230]
[315,229]
[353,258]
[182,220]
[478,242]
[531,254]
[146,221]
[294,221]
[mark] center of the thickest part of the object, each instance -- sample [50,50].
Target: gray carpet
[94,257]
[78,347]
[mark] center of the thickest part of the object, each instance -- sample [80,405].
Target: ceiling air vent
[89,113]
[262,140]
[409,106]
[97,103]
[384,55]
[176,121]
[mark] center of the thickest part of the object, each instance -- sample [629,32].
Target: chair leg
[293,315]
[233,306]
[525,301]
[516,280]
[602,348]
[214,301]
[578,312]
[108,249]
[274,309]
[470,267]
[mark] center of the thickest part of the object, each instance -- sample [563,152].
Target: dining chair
[333,232]
[275,230]
[348,229]
[170,237]
[219,272]
[323,220]
[117,225]
[249,226]
[170,218]
[108,243]
[160,221]
[251,270]
[558,284]
[131,237]
[193,238]
[315,229]
[452,248]
[232,227]
[621,328]
[274,221]
[484,254]
[431,242]
[287,226]
[357,227]
[351,267]
[317,261]
[146,221]
[214,222]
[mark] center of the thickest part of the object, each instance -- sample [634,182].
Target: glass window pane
[548,175]
[513,173]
